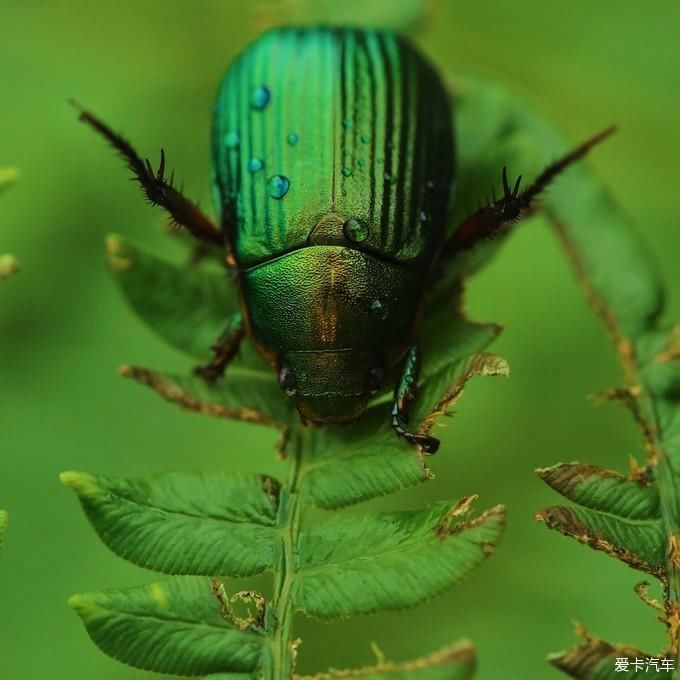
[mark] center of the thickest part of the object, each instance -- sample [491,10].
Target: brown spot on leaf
[271,488]
[176,395]
[584,660]
[462,653]
[478,364]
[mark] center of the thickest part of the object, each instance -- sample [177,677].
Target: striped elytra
[353,123]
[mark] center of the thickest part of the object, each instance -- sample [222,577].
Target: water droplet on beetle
[355,230]
[260,97]
[347,172]
[255,165]
[378,310]
[292,138]
[232,140]
[278,186]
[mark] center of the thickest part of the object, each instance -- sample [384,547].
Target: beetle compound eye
[355,230]
[376,378]
[287,381]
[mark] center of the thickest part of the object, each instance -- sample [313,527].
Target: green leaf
[174,626]
[186,307]
[341,473]
[243,394]
[447,337]
[619,516]
[185,523]
[604,490]
[455,662]
[4,519]
[363,564]
[640,544]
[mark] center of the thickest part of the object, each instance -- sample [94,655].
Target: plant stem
[281,625]
[668,481]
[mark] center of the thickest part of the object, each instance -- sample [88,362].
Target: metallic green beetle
[334,161]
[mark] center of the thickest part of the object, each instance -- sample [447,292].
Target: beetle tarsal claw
[429,445]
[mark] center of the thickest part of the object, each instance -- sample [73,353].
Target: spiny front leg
[225,349]
[514,204]
[404,393]
[157,189]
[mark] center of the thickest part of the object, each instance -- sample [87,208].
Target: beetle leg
[514,204]
[404,393]
[225,349]
[158,189]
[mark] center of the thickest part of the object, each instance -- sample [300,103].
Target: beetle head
[329,386]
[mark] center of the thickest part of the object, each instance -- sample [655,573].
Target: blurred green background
[151,69]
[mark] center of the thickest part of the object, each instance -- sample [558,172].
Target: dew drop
[347,172]
[278,186]
[292,138]
[232,140]
[260,97]
[378,310]
[255,165]
[355,230]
